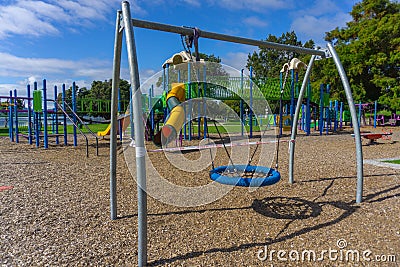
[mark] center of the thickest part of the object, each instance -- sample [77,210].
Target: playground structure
[37,117]
[374,118]
[125,21]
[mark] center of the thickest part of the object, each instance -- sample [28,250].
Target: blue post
[341,115]
[74,110]
[328,115]
[28,89]
[375,110]
[308,109]
[335,125]
[251,103]
[45,133]
[16,116]
[359,113]
[56,114]
[321,109]
[242,122]
[65,116]
[10,118]
[36,121]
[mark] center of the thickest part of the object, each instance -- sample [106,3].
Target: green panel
[37,101]
[326,99]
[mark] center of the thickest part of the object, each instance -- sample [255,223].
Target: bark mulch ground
[55,209]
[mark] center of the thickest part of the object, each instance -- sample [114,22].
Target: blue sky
[72,40]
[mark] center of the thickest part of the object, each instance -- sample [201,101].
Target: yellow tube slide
[177,115]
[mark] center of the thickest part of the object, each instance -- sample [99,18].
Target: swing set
[238,175]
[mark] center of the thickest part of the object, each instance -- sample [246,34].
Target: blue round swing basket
[220,175]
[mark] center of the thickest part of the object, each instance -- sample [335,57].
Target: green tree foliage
[369,48]
[267,62]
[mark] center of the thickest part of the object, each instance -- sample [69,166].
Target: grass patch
[395,161]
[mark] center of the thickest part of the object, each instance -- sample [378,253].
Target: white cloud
[14,66]
[195,3]
[312,27]
[322,16]
[18,20]
[255,22]
[28,70]
[236,60]
[36,18]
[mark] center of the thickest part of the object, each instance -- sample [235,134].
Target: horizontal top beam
[224,37]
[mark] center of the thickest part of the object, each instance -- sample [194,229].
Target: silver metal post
[296,118]
[139,135]
[114,123]
[224,37]
[356,126]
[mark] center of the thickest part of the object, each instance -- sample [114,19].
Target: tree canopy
[369,48]
[268,62]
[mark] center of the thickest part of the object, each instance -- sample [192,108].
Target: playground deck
[55,210]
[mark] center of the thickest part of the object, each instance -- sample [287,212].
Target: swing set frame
[125,24]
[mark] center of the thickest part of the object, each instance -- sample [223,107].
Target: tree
[267,62]
[369,48]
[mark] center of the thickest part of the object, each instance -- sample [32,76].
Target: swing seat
[245,175]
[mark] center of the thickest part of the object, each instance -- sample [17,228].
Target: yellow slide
[105,132]
[125,123]
[176,117]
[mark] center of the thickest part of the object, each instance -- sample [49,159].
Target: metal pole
[223,37]
[296,117]
[251,103]
[205,127]
[28,89]
[139,136]
[114,115]
[375,109]
[190,103]
[65,116]
[11,117]
[241,102]
[308,110]
[36,115]
[45,133]
[335,125]
[356,127]
[341,115]
[74,110]
[55,113]
[321,109]
[16,116]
